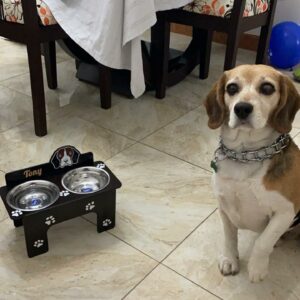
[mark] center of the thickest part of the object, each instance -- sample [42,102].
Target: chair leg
[160,44]
[50,62]
[265,35]
[231,50]
[37,88]
[263,44]
[105,86]
[205,37]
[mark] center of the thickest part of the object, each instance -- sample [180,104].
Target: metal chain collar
[252,156]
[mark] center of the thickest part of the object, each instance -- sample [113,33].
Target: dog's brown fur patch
[283,175]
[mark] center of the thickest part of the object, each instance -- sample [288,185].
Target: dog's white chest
[242,195]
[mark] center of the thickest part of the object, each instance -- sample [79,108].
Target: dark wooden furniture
[200,47]
[34,35]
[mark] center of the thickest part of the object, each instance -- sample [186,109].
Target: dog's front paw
[258,268]
[228,266]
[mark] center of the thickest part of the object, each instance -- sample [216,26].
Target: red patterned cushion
[13,12]
[223,8]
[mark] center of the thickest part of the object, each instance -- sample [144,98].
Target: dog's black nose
[243,110]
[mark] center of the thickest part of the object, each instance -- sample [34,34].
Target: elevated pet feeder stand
[69,205]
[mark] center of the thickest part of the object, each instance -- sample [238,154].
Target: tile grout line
[14,76]
[108,232]
[116,133]
[2,82]
[108,129]
[137,249]
[129,138]
[134,247]
[195,283]
[31,119]
[109,158]
[136,285]
[174,156]
[101,126]
[296,133]
[131,246]
[18,125]
[177,246]
[174,120]
[32,122]
[161,263]
[153,147]
[140,139]
[121,151]
[163,260]
[68,114]
[188,162]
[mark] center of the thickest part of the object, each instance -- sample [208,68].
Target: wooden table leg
[160,44]
[105,86]
[204,38]
[37,88]
[50,63]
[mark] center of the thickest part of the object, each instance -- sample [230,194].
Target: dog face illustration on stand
[65,156]
[257,164]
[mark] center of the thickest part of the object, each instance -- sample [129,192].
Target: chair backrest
[29,26]
[244,6]
[31,17]
[237,12]
[17,11]
[238,7]
[228,8]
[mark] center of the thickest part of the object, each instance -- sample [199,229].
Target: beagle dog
[257,165]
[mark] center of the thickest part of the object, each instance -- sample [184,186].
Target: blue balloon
[284,49]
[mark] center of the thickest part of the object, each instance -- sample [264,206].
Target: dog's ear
[282,117]
[60,154]
[70,151]
[215,105]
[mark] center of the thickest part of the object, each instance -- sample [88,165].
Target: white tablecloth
[110,30]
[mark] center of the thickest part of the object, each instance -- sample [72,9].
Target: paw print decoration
[90,206]
[100,166]
[16,213]
[38,243]
[106,222]
[50,220]
[64,193]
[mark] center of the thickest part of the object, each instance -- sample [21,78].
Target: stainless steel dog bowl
[85,180]
[33,195]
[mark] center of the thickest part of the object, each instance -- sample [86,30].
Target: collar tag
[214,165]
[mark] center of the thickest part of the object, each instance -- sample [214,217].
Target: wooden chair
[205,21]
[25,22]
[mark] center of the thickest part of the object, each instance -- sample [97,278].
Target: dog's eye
[232,89]
[267,89]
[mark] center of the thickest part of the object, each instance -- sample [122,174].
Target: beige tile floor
[166,240]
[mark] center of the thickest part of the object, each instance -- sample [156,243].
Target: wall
[288,10]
